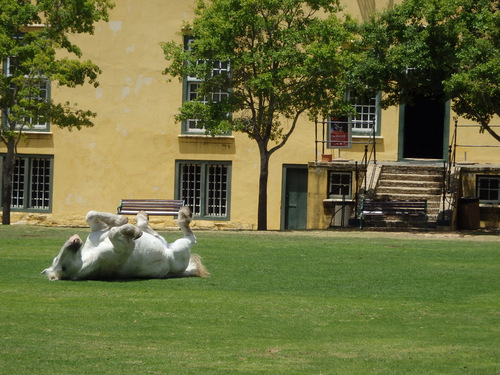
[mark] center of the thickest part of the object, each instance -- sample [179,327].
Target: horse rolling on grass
[116,249]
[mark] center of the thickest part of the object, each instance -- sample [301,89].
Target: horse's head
[67,262]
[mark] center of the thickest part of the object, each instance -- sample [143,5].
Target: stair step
[409,196]
[411,177]
[412,169]
[409,183]
[390,190]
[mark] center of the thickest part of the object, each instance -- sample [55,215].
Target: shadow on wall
[207,145]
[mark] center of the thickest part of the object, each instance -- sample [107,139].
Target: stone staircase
[411,182]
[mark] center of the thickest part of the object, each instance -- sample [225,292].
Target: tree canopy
[31,34]
[446,48]
[285,57]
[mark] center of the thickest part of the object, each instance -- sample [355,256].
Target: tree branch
[288,134]
[484,123]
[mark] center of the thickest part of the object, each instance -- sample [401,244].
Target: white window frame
[367,114]
[44,86]
[190,126]
[335,189]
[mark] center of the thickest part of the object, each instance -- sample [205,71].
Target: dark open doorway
[423,128]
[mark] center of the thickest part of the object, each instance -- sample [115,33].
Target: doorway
[423,129]
[294,197]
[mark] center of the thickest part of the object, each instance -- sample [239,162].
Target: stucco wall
[322,212]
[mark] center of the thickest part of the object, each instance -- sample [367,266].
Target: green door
[295,197]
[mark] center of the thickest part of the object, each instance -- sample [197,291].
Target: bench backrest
[150,206]
[374,205]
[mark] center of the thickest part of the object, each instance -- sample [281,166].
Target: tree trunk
[7,172]
[263,178]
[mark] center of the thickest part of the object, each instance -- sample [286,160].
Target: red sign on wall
[339,133]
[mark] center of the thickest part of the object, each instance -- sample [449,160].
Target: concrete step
[428,190]
[410,177]
[411,169]
[408,183]
[409,196]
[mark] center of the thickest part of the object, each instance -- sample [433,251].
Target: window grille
[488,189]
[190,182]
[18,180]
[366,113]
[40,93]
[216,190]
[193,84]
[340,185]
[204,186]
[40,183]
[31,183]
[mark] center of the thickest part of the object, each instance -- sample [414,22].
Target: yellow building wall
[131,152]
[132,149]
[472,145]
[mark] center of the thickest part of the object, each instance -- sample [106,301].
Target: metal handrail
[365,161]
[324,140]
[361,168]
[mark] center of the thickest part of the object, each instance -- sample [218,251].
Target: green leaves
[436,47]
[68,116]
[31,55]
[72,73]
[73,16]
[285,59]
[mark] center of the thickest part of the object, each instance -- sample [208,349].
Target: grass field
[276,303]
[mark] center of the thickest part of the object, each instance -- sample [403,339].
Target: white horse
[117,250]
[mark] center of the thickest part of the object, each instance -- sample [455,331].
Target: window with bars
[193,125]
[205,188]
[339,185]
[40,92]
[488,189]
[192,84]
[367,113]
[31,184]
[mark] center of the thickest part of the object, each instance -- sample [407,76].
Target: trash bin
[468,213]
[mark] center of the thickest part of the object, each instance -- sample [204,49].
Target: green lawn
[276,303]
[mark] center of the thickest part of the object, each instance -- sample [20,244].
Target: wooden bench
[405,208]
[160,207]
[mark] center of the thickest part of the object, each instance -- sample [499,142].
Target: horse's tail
[196,267]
